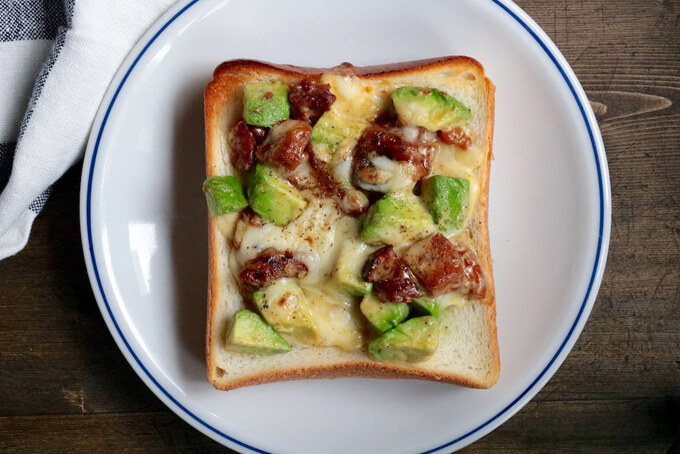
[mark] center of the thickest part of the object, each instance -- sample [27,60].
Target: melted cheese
[356,98]
[403,174]
[455,299]
[341,161]
[336,318]
[314,236]
[318,233]
[410,133]
[343,171]
[225,222]
[303,175]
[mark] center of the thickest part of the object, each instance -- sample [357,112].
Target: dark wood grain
[65,387]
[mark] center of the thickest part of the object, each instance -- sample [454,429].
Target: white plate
[144,228]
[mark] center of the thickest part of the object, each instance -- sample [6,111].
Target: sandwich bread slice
[348,231]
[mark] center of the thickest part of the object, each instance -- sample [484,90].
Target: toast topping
[429,108]
[455,136]
[350,200]
[286,307]
[381,265]
[444,267]
[348,271]
[414,340]
[447,199]
[396,219]
[248,333]
[385,161]
[274,198]
[265,104]
[320,262]
[224,195]
[242,144]
[392,280]
[271,265]
[285,144]
[383,316]
[309,99]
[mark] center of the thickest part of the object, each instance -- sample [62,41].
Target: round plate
[144,216]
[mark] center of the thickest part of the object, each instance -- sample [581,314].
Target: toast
[340,339]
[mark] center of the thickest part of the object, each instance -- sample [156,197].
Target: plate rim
[89,161]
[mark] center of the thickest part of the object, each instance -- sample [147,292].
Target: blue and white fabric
[57,58]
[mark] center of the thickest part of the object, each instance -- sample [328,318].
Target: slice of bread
[468,349]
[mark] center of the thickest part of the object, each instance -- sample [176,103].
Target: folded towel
[56,61]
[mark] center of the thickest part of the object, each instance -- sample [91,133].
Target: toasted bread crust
[227,80]
[361,369]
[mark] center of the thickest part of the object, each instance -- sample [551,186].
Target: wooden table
[64,386]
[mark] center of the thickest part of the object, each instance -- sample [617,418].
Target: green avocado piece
[396,218]
[414,340]
[426,306]
[224,195]
[248,333]
[330,130]
[285,307]
[428,107]
[447,199]
[383,316]
[265,104]
[274,198]
[353,254]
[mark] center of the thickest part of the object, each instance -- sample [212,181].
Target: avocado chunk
[384,316]
[396,218]
[353,254]
[414,340]
[265,104]
[224,195]
[428,107]
[285,307]
[274,198]
[330,131]
[447,199]
[248,333]
[426,306]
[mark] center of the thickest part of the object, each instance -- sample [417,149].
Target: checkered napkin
[57,58]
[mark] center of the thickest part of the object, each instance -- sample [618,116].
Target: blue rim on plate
[508,408]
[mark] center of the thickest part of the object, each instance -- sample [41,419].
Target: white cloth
[89,46]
